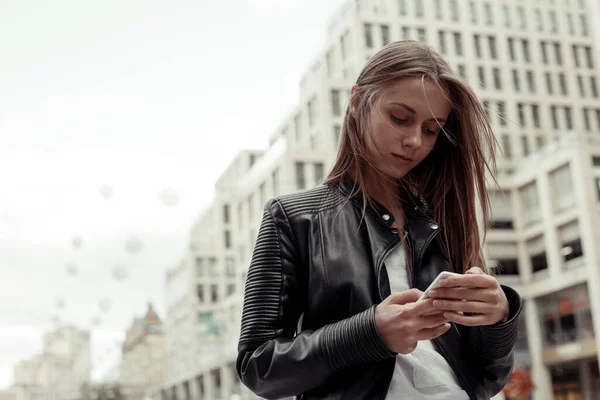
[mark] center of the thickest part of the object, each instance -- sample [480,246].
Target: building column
[539,372]
[585,193]
[195,389]
[553,257]
[586,381]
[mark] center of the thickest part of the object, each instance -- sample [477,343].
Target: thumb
[407,296]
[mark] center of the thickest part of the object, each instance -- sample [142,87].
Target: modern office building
[534,65]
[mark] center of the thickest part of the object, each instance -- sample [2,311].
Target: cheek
[383,134]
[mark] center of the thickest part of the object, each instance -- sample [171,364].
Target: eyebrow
[412,110]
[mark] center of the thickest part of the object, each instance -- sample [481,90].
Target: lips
[402,158]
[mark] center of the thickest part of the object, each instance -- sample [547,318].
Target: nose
[412,137]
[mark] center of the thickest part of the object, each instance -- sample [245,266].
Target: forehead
[421,94]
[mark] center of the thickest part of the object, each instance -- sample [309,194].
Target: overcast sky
[116,118]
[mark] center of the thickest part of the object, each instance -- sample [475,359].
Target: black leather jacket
[314,258]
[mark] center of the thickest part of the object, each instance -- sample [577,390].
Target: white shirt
[423,374]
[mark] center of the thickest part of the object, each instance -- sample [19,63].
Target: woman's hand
[402,321]
[472,299]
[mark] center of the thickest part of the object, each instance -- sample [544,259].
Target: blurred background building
[60,372]
[534,65]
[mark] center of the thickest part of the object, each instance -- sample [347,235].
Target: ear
[354,99]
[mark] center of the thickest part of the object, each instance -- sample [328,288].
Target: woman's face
[405,123]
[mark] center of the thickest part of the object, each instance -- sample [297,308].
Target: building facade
[59,373]
[534,65]
[143,356]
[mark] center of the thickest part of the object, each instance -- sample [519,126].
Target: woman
[330,309]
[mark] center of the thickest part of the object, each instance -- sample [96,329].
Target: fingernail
[446,326]
[443,282]
[437,303]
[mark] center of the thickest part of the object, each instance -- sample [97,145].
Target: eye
[430,132]
[399,120]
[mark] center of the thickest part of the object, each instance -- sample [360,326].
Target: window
[300,180]
[522,21]
[336,108]
[207,323]
[385,34]
[454,15]
[521,114]
[492,46]
[486,107]
[506,149]
[343,45]
[554,113]
[226,213]
[544,51]
[251,207]
[575,51]
[562,187]
[438,9]
[458,43]
[200,293]
[405,33]
[230,289]
[558,53]
[477,45]
[531,204]
[227,239]
[537,253]
[570,241]
[502,113]
[442,41]
[473,11]
[516,80]
[501,211]
[566,317]
[419,12]
[319,173]
[581,85]
[297,126]
[368,35]
[504,256]
[402,7]
[487,14]
[526,55]
[568,118]
[589,57]
[462,71]
[497,79]
[311,112]
[549,86]
[230,266]
[583,24]
[199,267]
[481,73]
[421,35]
[563,84]
[539,141]
[530,81]
[570,24]
[214,293]
[506,15]
[511,49]
[553,21]
[535,115]
[593,87]
[212,267]
[337,131]
[586,119]
[539,21]
[525,144]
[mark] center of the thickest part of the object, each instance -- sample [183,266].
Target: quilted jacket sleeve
[273,361]
[494,345]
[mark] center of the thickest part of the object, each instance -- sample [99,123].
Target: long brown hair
[452,178]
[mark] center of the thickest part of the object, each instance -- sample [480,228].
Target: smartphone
[435,283]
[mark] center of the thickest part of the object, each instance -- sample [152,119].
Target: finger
[407,296]
[475,270]
[474,294]
[471,280]
[432,333]
[431,321]
[475,320]
[422,307]
[464,306]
